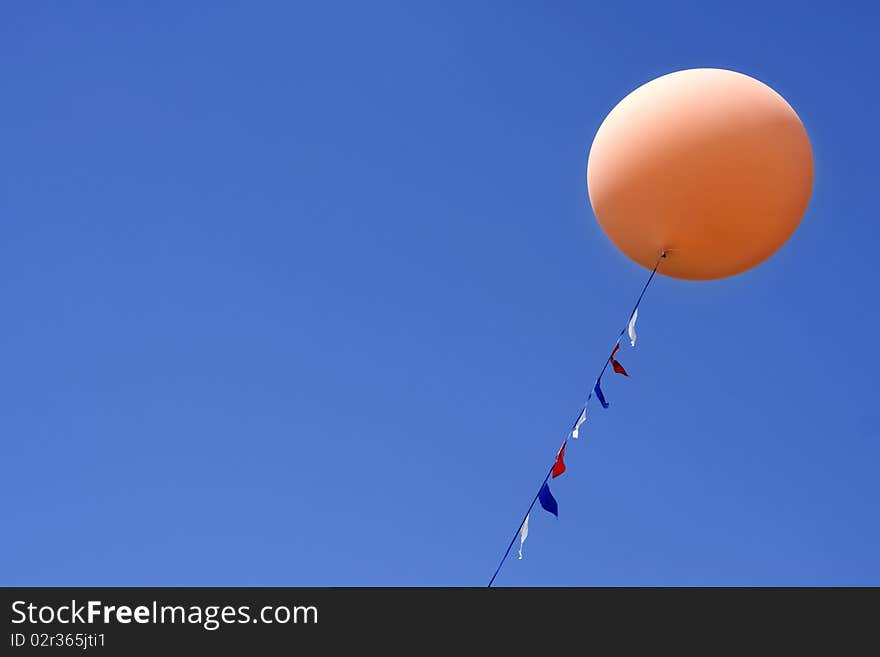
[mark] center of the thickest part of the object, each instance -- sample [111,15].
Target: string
[565,441]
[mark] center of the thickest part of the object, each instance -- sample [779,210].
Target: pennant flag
[631,329]
[523,534]
[545,497]
[559,466]
[617,366]
[601,397]
[577,423]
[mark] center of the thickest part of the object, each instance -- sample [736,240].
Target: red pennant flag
[617,366]
[559,466]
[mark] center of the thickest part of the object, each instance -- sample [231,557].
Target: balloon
[709,165]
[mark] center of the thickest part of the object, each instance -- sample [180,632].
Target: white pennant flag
[577,425]
[631,329]
[523,534]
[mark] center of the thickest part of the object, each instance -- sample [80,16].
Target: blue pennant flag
[600,396]
[545,497]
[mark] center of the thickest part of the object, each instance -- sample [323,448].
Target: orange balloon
[710,165]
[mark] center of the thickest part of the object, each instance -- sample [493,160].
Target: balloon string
[633,312]
[565,440]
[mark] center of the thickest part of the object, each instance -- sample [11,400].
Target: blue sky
[309,293]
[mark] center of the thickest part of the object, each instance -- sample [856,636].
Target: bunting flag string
[544,496]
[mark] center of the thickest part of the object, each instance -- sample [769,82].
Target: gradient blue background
[308,294]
